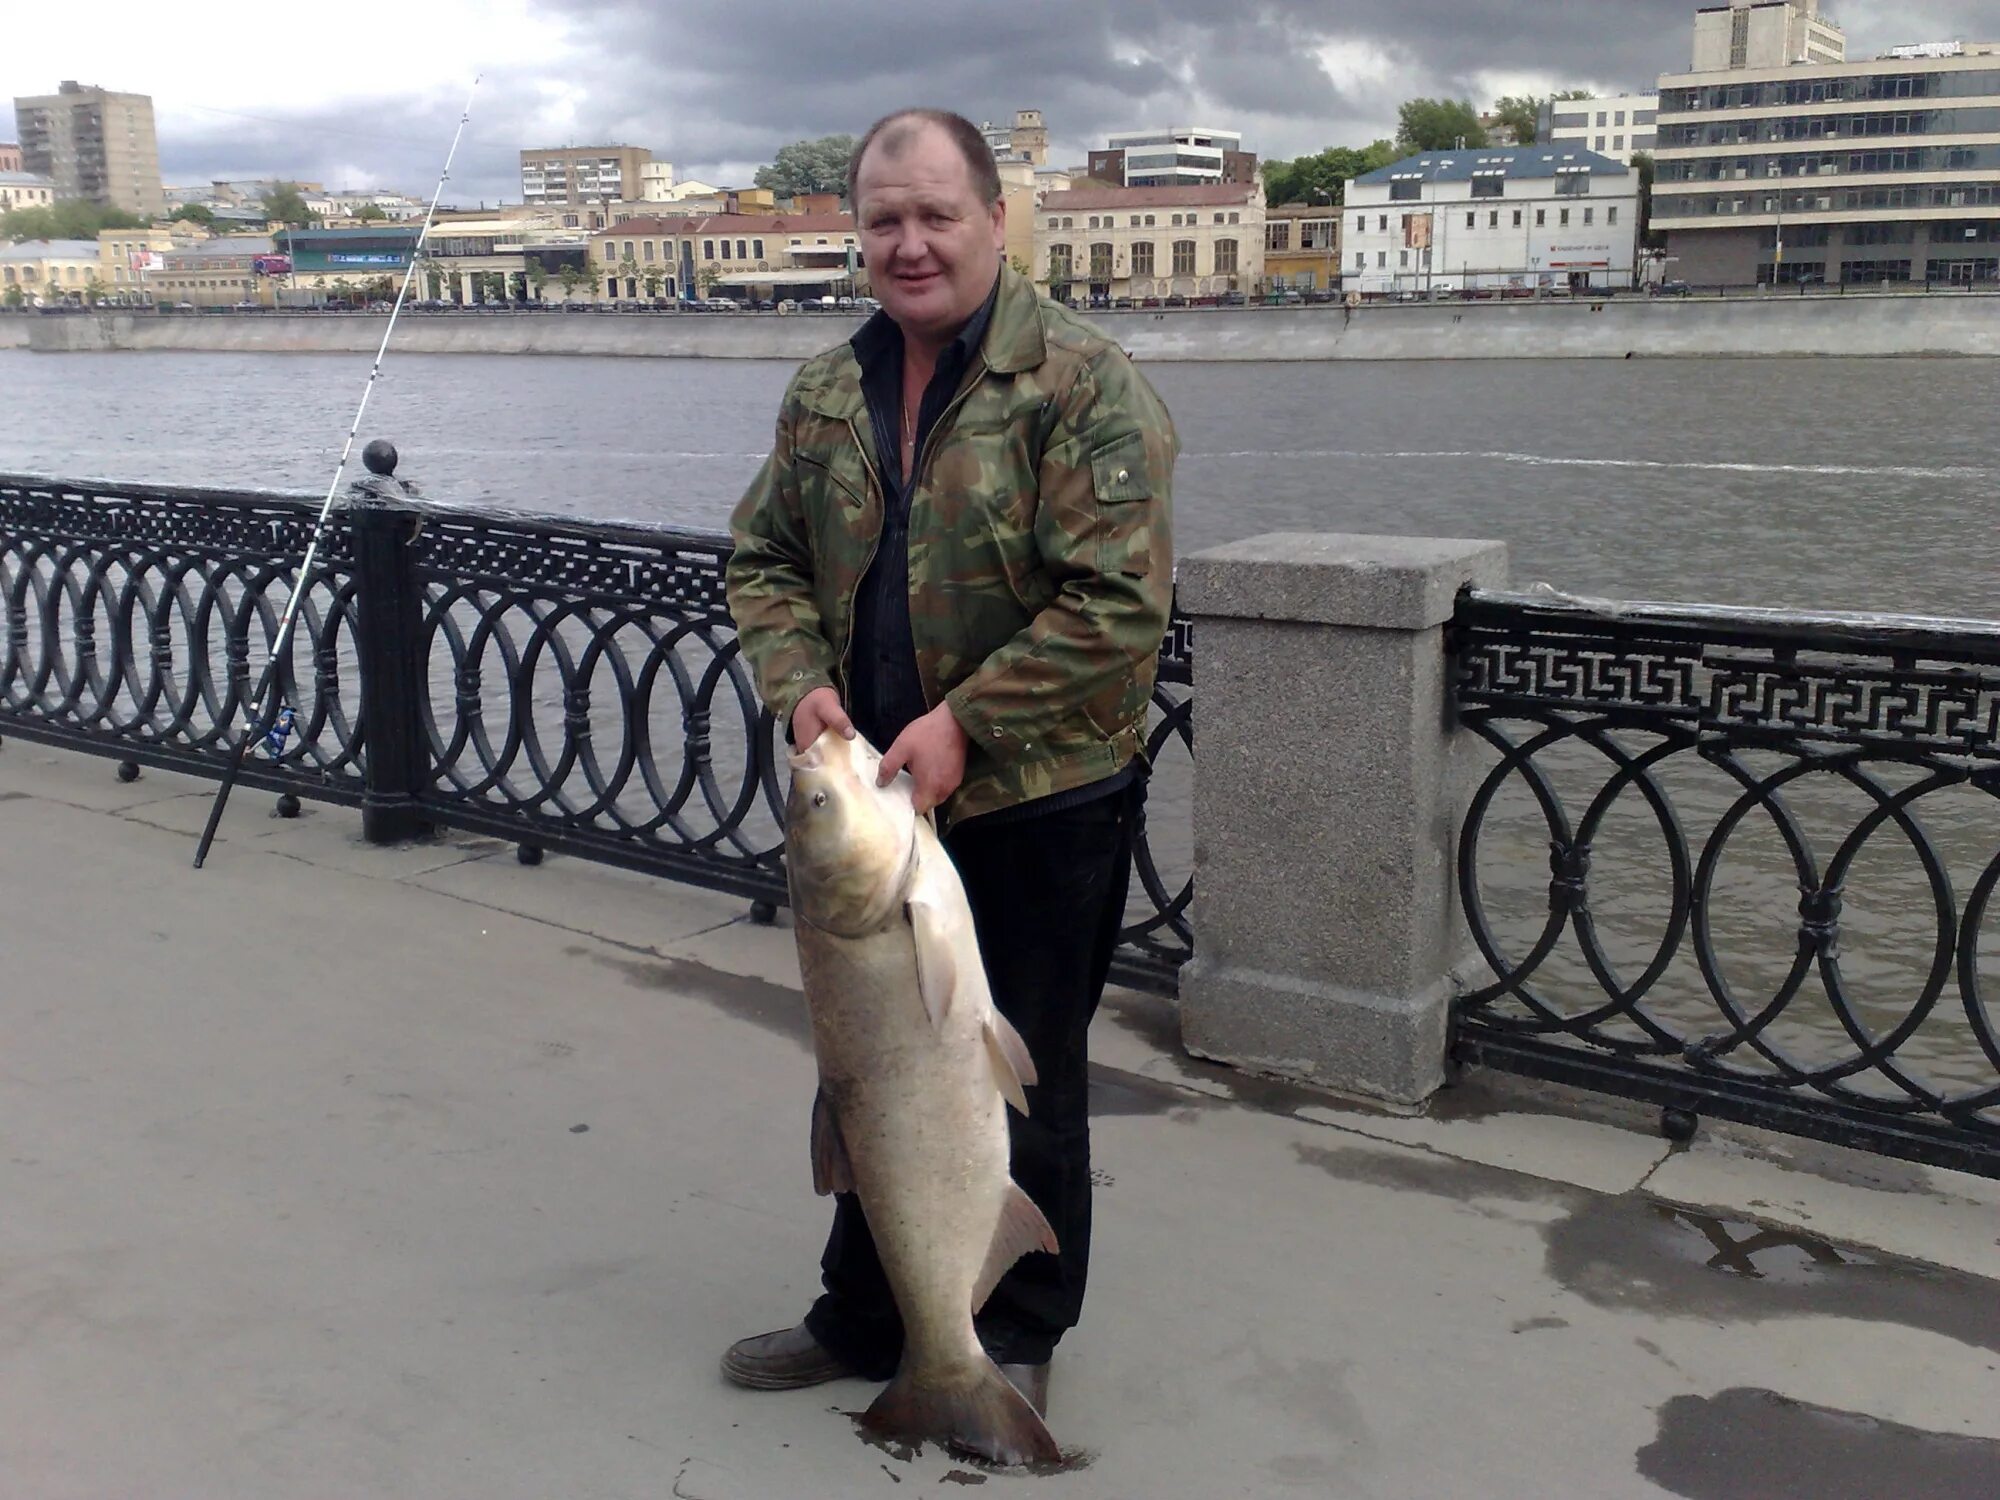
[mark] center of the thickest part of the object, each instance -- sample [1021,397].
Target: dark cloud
[717,88]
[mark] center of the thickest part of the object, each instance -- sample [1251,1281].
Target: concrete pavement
[334,1172]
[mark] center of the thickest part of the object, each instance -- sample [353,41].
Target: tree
[573,277]
[93,291]
[1324,177]
[706,278]
[14,297]
[652,282]
[70,219]
[1520,113]
[434,280]
[1438,125]
[370,213]
[628,272]
[193,213]
[1564,95]
[809,167]
[1642,163]
[538,278]
[494,285]
[283,204]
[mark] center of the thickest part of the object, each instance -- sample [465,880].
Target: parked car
[1177,300]
[1672,289]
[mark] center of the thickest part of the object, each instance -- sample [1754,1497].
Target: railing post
[1325,807]
[388,623]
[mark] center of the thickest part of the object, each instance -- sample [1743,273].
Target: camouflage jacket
[1041,566]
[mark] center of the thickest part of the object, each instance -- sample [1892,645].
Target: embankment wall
[1615,328]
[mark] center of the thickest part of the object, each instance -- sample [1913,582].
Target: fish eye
[819,799]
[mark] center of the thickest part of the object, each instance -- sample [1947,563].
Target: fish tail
[974,1408]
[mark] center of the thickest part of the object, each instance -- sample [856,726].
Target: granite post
[1325,802]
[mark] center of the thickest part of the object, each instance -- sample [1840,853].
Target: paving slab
[328,1175]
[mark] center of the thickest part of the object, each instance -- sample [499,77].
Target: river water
[1845,484]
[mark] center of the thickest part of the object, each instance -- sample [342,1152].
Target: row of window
[1493,219]
[1314,234]
[1943,195]
[1971,121]
[1807,164]
[643,252]
[1144,263]
[1110,221]
[1969,83]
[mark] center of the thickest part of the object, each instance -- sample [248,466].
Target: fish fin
[1013,1069]
[975,1410]
[1022,1228]
[832,1173]
[937,970]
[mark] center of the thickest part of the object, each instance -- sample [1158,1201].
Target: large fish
[917,1070]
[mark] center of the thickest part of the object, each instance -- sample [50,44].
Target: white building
[1174,156]
[1615,125]
[1764,34]
[656,182]
[1514,218]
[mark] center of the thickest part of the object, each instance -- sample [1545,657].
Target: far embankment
[1892,323]
[13,333]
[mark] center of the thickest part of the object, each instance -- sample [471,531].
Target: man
[960,548]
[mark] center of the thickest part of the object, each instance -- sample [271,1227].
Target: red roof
[763,224]
[1223,195]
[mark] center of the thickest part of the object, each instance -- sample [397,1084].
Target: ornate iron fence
[562,685]
[1772,844]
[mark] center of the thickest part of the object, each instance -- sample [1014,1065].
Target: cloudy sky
[366,94]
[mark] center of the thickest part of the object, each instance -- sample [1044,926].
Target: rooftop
[49,250]
[25,179]
[761,224]
[1227,194]
[1496,161]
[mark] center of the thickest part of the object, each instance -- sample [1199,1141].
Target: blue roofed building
[1492,221]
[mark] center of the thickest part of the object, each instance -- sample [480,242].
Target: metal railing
[562,685]
[1769,844]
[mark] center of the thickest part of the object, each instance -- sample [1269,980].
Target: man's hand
[820,709]
[933,751]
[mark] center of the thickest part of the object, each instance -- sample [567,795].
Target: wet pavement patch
[775,1007]
[1751,1444]
[1430,1172]
[1637,1254]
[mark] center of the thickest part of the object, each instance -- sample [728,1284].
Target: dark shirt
[886,692]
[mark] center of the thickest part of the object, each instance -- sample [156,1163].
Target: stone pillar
[1325,807]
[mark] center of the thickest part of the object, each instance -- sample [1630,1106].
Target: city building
[529,254]
[342,262]
[25,190]
[251,192]
[1178,156]
[220,272]
[1027,139]
[1095,244]
[96,144]
[126,256]
[43,273]
[10,156]
[1302,248]
[1764,34]
[768,256]
[1616,126]
[348,204]
[1882,170]
[1492,219]
[656,181]
[584,174]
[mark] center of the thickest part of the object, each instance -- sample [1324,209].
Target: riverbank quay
[385,1171]
[1742,324]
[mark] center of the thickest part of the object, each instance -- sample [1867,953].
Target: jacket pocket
[1121,480]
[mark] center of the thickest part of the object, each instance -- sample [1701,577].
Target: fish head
[849,844]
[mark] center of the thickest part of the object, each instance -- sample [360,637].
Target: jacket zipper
[853,594]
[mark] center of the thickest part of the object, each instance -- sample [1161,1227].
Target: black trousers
[1048,899]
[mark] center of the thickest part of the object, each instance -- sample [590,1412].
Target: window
[1600,119]
[1135,222]
[1093,221]
[1232,218]
[1589,216]
[1541,217]
[1176,221]
[1059,262]
[1600,144]
[1381,260]
[647,247]
[1361,223]
[611,288]
[757,246]
[1149,221]
[1618,143]
[628,251]
[1100,261]
[1278,235]
[1619,118]
[1472,221]
[1493,219]
[1055,223]
[1611,214]
[1383,226]
[708,249]
[1517,218]
[1489,187]
[1405,192]
[1317,234]
[1405,260]
[1183,257]
[1361,260]
[740,249]
[1564,221]
[1069,223]
[1142,258]
[1218,218]
[1225,257]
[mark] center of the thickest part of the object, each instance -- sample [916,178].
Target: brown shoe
[1031,1381]
[787,1360]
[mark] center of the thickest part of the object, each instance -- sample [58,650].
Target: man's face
[933,248]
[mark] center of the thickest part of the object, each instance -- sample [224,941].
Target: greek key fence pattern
[1772,844]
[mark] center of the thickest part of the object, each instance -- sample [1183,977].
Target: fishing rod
[270,721]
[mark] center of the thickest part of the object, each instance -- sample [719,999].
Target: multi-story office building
[95,144]
[1616,126]
[1507,218]
[584,174]
[1027,139]
[1764,34]
[1104,243]
[1177,156]
[1886,170]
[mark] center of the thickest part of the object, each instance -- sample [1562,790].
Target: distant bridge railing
[562,685]
[1738,863]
